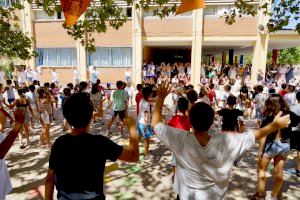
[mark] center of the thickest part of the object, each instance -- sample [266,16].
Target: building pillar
[82,55]
[241,59]
[231,54]
[137,45]
[28,29]
[197,48]
[260,50]
[223,58]
[274,56]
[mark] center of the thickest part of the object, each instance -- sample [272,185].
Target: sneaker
[256,197]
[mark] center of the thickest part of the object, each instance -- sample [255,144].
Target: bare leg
[147,141]
[26,130]
[47,134]
[279,162]
[111,122]
[262,167]
[2,122]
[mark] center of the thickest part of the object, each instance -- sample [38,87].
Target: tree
[286,56]
[104,13]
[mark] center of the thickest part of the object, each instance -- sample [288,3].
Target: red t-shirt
[180,122]
[138,98]
[282,92]
[211,95]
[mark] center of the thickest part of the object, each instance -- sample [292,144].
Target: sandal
[256,197]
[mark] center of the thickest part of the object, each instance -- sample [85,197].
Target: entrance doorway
[167,55]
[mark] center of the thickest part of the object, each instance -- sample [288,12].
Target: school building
[191,37]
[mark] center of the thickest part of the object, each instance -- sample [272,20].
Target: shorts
[258,114]
[144,131]
[121,114]
[295,140]
[45,117]
[277,148]
[11,100]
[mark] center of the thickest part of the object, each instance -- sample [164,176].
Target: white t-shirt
[2,77]
[35,76]
[76,74]
[128,74]
[203,172]
[144,112]
[260,100]
[290,98]
[31,98]
[22,77]
[54,77]
[5,183]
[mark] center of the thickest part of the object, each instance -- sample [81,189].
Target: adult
[94,75]
[204,161]
[54,77]
[77,162]
[22,77]
[36,75]
[75,76]
[128,75]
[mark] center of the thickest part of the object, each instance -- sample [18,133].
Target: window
[7,3]
[42,15]
[111,57]
[56,57]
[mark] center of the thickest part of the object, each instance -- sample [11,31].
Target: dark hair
[52,85]
[244,90]
[47,84]
[119,84]
[31,88]
[67,92]
[192,96]
[283,86]
[147,91]
[35,82]
[260,88]
[95,88]
[231,100]
[98,81]
[78,110]
[8,82]
[82,85]
[211,86]
[21,91]
[298,95]
[272,91]
[201,116]
[182,104]
[139,86]
[108,84]
[70,85]
[274,104]
[292,88]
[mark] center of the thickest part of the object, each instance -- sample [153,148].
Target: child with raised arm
[205,160]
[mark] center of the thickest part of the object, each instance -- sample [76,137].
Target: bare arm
[49,185]
[279,122]
[12,134]
[131,153]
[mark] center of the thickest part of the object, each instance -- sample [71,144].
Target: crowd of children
[197,152]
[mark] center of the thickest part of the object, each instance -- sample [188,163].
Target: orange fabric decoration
[188,5]
[73,9]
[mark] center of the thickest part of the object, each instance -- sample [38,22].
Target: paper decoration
[188,5]
[73,9]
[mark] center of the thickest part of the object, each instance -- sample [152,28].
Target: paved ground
[148,179]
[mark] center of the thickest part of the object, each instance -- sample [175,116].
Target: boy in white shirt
[204,161]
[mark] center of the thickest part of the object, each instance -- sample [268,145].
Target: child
[259,101]
[66,94]
[138,97]
[144,118]
[9,89]
[205,160]
[22,102]
[230,116]
[130,90]
[108,95]
[226,94]
[119,105]
[212,95]
[180,121]
[31,97]
[96,97]
[77,160]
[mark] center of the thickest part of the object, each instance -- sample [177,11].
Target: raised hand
[163,90]
[282,121]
